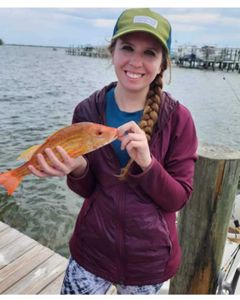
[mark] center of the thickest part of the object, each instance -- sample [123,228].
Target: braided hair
[152,105]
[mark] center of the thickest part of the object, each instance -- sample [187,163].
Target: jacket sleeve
[85,184]
[170,185]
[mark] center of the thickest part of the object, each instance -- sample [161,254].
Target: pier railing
[203,223]
[90,51]
[208,58]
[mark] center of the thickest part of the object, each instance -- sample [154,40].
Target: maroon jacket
[126,231]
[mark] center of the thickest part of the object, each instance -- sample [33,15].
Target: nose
[136,60]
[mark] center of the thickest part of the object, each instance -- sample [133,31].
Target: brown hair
[152,104]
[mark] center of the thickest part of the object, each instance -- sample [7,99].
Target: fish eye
[99,132]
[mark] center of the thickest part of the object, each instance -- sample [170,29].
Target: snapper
[76,139]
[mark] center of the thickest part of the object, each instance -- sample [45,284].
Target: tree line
[1,42]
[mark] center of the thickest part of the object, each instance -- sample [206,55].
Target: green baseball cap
[144,19]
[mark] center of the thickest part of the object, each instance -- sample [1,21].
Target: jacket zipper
[119,219]
[119,215]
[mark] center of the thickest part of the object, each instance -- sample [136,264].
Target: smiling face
[137,59]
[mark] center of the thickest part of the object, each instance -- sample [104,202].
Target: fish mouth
[116,136]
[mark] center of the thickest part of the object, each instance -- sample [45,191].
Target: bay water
[39,89]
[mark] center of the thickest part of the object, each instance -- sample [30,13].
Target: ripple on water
[39,90]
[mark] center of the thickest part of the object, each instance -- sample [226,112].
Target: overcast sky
[80,26]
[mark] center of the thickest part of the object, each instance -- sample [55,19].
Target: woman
[126,233]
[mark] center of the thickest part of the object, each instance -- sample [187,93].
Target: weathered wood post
[203,223]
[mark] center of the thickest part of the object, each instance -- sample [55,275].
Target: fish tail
[10,181]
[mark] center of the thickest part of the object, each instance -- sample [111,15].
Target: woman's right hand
[75,166]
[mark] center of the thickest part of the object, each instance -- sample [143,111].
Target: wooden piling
[203,223]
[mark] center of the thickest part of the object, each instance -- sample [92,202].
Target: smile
[133,75]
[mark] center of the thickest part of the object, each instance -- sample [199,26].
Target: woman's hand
[57,168]
[134,140]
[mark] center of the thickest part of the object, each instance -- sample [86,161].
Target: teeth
[133,75]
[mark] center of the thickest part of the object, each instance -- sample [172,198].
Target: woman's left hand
[134,140]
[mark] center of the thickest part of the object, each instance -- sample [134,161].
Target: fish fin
[10,181]
[27,154]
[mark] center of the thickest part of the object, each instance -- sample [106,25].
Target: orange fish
[77,139]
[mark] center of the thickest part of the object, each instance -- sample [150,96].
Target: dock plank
[19,268]
[15,249]
[27,267]
[39,278]
[54,287]
[8,236]
[3,226]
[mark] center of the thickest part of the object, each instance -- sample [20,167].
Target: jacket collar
[168,105]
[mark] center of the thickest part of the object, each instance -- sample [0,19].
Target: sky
[73,25]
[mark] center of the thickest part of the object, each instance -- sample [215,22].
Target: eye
[127,48]
[99,132]
[150,53]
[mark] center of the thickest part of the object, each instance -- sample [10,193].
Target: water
[39,89]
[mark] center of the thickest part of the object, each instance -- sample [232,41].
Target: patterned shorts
[77,280]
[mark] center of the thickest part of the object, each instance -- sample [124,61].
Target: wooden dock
[89,51]
[26,267]
[208,58]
